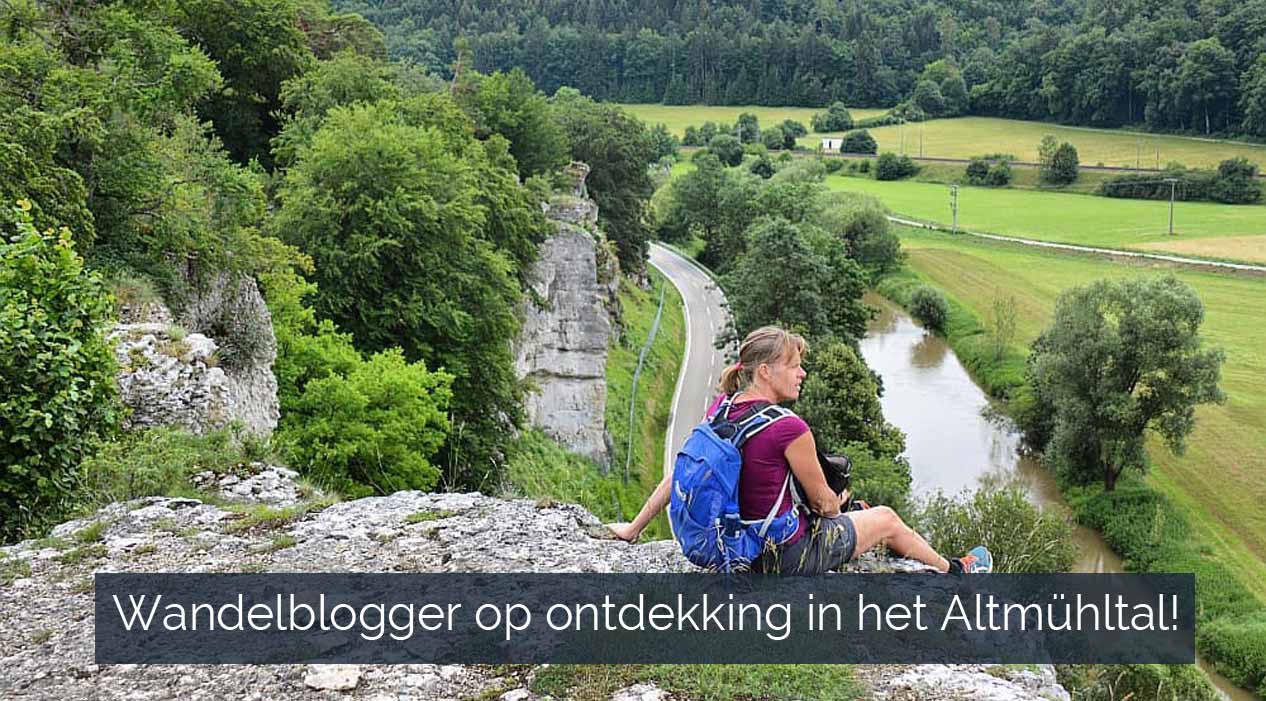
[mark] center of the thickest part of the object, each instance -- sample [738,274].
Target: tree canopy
[1121,358]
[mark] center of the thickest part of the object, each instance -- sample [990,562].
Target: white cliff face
[562,346]
[213,369]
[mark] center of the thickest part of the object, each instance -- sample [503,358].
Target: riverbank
[1137,520]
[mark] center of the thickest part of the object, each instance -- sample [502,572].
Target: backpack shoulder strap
[759,420]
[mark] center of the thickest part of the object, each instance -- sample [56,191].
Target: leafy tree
[691,137]
[739,204]
[773,138]
[1237,182]
[1120,358]
[1206,82]
[836,118]
[696,196]
[1253,97]
[928,305]
[859,141]
[1058,163]
[1064,165]
[890,166]
[666,144]
[345,78]
[762,167]
[748,127]
[618,148]
[726,148]
[58,397]
[861,221]
[510,105]
[257,45]
[373,431]
[840,400]
[977,171]
[927,97]
[813,286]
[999,174]
[387,202]
[793,129]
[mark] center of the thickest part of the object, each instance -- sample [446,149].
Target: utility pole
[1173,183]
[954,207]
[920,139]
[1138,152]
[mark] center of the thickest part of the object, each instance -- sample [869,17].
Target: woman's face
[784,377]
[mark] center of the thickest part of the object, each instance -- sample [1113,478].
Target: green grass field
[678,117]
[965,137]
[1077,218]
[1218,482]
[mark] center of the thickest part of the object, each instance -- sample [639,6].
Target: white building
[832,143]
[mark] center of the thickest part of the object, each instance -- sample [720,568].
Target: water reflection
[953,440]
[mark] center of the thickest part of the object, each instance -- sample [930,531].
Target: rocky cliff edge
[265,520]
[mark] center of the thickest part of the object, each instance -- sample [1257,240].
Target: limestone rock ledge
[212,369]
[46,601]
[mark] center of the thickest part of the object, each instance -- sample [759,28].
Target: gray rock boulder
[170,378]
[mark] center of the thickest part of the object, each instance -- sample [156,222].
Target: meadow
[1224,231]
[964,137]
[678,117]
[1217,482]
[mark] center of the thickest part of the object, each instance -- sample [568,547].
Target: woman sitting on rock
[769,372]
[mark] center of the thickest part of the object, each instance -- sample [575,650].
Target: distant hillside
[1182,67]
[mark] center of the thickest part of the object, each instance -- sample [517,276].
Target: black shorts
[825,545]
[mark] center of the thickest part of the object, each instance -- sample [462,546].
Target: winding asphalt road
[706,315]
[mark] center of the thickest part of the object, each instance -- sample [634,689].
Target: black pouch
[838,471]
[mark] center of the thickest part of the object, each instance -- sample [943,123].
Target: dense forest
[389,218]
[1197,66]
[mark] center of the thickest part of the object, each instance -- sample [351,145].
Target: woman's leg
[882,525]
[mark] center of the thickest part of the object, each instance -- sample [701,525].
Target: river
[952,443]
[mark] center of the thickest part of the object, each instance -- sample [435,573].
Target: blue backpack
[704,508]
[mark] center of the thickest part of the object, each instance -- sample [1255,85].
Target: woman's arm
[655,503]
[802,455]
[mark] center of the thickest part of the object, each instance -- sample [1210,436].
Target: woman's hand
[625,531]
[845,497]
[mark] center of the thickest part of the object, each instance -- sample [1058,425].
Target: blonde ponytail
[768,344]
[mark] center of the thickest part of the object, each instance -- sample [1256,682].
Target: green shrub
[834,165]
[929,307]
[999,175]
[160,461]
[859,141]
[373,430]
[880,480]
[977,171]
[1239,646]
[890,166]
[1021,538]
[1137,682]
[863,166]
[836,118]
[58,396]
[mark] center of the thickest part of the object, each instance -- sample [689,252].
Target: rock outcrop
[46,600]
[214,368]
[562,346]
